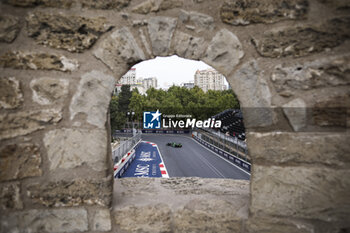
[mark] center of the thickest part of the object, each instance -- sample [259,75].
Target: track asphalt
[193,159]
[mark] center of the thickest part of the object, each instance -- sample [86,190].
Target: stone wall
[288,62]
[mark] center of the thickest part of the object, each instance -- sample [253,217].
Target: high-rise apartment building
[209,79]
[129,78]
[147,83]
[142,85]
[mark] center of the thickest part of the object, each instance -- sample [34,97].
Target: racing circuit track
[193,160]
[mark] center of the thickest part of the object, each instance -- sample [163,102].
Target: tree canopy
[176,100]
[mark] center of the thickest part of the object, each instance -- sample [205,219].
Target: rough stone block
[37,61]
[332,71]
[276,225]
[44,3]
[9,28]
[318,193]
[149,6]
[330,149]
[340,5]
[10,93]
[22,123]
[72,193]
[207,216]
[201,205]
[105,4]
[92,97]
[71,148]
[101,220]
[161,30]
[200,22]
[304,40]
[144,41]
[224,52]
[72,33]
[45,221]
[170,4]
[332,112]
[296,113]
[49,90]
[18,161]
[10,196]
[255,103]
[188,46]
[195,186]
[146,7]
[120,50]
[243,12]
[256,117]
[146,219]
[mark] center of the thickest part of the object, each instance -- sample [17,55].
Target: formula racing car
[174,144]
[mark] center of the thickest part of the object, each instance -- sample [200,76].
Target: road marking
[187,136]
[206,162]
[222,157]
[162,167]
[147,162]
[211,166]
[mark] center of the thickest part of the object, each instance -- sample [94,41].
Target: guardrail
[124,163]
[124,147]
[239,162]
[166,131]
[233,140]
[158,131]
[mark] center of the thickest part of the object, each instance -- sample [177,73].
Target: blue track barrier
[239,162]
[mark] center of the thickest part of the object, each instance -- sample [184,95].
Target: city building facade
[188,85]
[209,79]
[129,78]
[147,83]
[141,84]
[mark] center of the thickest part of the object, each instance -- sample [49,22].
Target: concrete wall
[288,62]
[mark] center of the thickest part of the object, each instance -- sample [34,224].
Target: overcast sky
[169,70]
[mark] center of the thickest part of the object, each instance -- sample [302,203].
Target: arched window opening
[173,117]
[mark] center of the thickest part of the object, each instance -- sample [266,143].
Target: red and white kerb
[163,171]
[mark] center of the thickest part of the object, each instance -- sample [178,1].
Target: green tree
[117,118]
[151,104]
[228,100]
[113,113]
[118,107]
[124,98]
[171,105]
[176,100]
[137,103]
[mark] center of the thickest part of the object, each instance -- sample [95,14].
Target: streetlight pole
[131,119]
[132,122]
[128,114]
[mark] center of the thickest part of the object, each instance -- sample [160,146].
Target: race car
[174,144]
